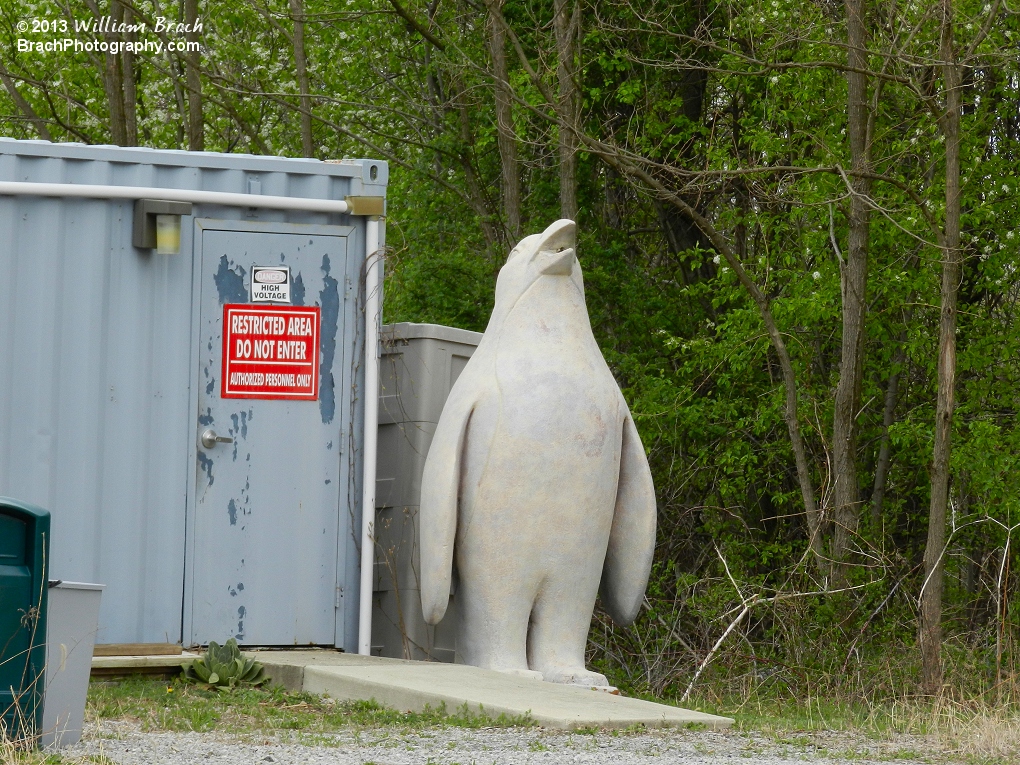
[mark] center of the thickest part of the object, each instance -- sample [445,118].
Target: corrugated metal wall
[96,363]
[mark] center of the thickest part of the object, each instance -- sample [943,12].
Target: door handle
[210,439]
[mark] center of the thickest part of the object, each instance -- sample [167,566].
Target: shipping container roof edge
[342,168]
[359,191]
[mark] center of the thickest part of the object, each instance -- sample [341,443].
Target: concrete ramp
[412,685]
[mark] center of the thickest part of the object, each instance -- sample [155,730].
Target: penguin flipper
[632,537]
[437,515]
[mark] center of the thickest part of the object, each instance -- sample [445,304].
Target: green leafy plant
[225,667]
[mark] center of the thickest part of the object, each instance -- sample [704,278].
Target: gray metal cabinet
[419,364]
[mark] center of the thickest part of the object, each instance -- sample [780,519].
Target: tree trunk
[934,562]
[179,98]
[506,135]
[854,282]
[477,197]
[130,90]
[113,81]
[567,23]
[885,448]
[196,124]
[178,74]
[297,12]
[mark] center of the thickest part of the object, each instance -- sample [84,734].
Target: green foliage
[740,111]
[438,270]
[225,667]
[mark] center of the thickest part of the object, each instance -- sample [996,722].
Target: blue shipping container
[111,372]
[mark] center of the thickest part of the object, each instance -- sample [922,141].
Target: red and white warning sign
[270,352]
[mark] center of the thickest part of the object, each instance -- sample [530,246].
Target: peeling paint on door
[205,465]
[297,291]
[329,299]
[230,283]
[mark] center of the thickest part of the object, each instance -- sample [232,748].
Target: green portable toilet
[24,548]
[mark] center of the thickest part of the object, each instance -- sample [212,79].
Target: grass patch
[782,716]
[919,728]
[178,706]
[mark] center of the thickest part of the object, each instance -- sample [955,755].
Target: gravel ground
[124,742]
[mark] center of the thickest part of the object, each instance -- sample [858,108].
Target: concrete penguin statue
[536,484]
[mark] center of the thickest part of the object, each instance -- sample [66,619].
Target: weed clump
[225,667]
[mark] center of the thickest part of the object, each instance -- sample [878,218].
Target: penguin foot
[576,676]
[528,673]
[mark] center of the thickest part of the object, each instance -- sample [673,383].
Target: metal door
[266,514]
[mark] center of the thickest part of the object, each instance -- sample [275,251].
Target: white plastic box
[71,625]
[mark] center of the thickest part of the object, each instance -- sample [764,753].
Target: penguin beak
[559,263]
[555,254]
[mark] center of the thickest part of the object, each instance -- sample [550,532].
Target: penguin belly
[538,490]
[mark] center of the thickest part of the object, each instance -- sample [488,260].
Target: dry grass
[15,750]
[974,730]
[20,753]
[23,751]
[988,736]
[946,729]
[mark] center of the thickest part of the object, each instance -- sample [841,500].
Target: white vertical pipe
[372,318]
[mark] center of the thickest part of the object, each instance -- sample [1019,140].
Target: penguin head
[549,255]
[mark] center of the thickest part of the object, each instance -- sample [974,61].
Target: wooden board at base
[137,649]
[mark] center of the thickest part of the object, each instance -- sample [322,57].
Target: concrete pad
[410,686]
[287,667]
